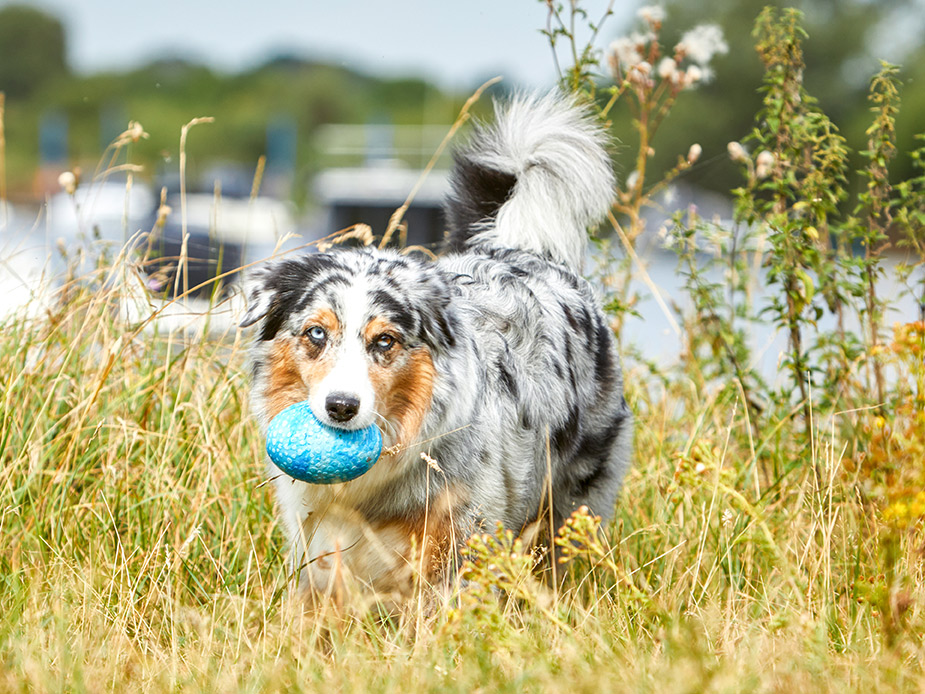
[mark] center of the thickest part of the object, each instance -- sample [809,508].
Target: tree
[32,50]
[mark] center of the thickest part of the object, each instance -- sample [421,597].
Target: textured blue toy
[304,448]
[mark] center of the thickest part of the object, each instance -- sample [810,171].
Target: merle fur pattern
[527,377]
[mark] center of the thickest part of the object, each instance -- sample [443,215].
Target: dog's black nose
[341,407]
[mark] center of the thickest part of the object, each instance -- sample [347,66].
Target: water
[658,339]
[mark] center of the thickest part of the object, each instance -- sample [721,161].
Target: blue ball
[304,448]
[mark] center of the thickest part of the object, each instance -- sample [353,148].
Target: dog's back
[524,191]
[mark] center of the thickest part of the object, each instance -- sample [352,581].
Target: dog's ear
[275,289]
[257,295]
[437,312]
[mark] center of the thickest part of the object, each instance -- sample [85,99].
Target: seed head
[653,15]
[737,152]
[701,43]
[764,163]
[693,154]
[68,181]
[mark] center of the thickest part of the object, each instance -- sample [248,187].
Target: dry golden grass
[138,549]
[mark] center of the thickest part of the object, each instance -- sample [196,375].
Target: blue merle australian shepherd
[491,372]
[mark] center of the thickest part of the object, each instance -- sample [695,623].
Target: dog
[492,371]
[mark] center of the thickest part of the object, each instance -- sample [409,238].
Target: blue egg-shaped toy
[310,451]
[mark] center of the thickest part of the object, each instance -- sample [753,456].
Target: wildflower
[701,43]
[668,239]
[737,151]
[693,154]
[68,181]
[653,15]
[727,517]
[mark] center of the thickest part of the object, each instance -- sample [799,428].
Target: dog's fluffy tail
[534,179]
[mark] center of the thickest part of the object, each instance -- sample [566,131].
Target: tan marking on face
[285,386]
[404,385]
[326,319]
[296,365]
[377,327]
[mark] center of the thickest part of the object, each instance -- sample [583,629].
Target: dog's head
[355,333]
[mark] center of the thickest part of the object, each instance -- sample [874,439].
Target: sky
[454,43]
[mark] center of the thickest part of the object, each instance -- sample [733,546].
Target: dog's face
[355,333]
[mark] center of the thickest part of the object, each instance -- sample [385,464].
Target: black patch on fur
[590,326]
[570,317]
[598,473]
[525,421]
[557,367]
[569,362]
[310,292]
[603,355]
[564,439]
[595,450]
[396,310]
[477,193]
[506,378]
[436,325]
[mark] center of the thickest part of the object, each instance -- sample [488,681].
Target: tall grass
[139,549]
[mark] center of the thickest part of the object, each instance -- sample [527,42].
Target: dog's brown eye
[384,343]
[316,334]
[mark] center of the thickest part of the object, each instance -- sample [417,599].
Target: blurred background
[347,102]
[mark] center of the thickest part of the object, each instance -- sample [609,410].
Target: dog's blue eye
[316,334]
